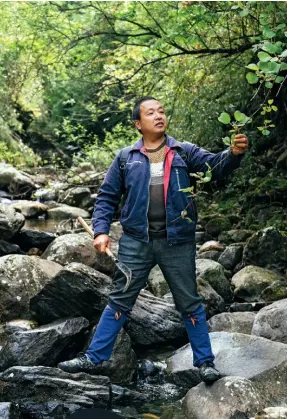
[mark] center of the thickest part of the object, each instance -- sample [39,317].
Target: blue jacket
[133,184]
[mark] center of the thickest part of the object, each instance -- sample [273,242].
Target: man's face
[153,118]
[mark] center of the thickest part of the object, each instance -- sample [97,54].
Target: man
[156,168]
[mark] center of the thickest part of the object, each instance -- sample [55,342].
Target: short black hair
[136,115]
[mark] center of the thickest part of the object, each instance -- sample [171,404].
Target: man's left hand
[239,144]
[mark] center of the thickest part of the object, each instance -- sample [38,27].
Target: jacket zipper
[148,194]
[177,176]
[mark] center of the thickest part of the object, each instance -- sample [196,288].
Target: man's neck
[152,142]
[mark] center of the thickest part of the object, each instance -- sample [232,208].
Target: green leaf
[187,190]
[264,57]
[272,126]
[284,53]
[275,59]
[244,12]
[226,140]
[269,67]
[265,132]
[207,177]
[268,33]
[224,117]
[252,66]
[280,26]
[260,128]
[274,108]
[283,66]
[239,116]
[270,101]
[271,48]
[251,78]
[279,79]
[268,85]
[188,219]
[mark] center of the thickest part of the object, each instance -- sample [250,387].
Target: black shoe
[208,373]
[80,364]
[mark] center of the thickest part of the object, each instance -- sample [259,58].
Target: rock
[10,222]
[20,279]
[28,239]
[122,396]
[213,273]
[16,182]
[282,160]
[234,236]
[75,291]
[66,211]
[211,245]
[213,302]
[157,284]
[116,231]
[30,209]
[48,393]
[153,321]
[270,322]
[232,322]
[42,345]
[79,248]
[231,256]
[77,197]
[9,411]
[277,412]
[268,249]
[276,291]
[241,307]
[217,225]
[200,237]
[7,248]
[49,267]
[169,298]
[251,281]
[46,195]
[123,363]
[247,356]
[228,398]
[210,254]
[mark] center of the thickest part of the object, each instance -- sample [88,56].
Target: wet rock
[15,181]
[218,224]
[212,301]
[20,279]
[157,284]
[232,322]
[228,398]
[30,209]
[268,249]
[28,239]
[234,236]
[76,290]
[250,281]
[7,248]
[213,273]
[210,254]
[116,231]
[277,412]
[260,360]
[241,307]
[200,237]
[77,197]
[153,321]
[64,212]
[10,222]
[79,248]
[231,256]
[270,322]
[46,195]
[41,345]
[9,411]
[44,392]
[211,245]
[276,291]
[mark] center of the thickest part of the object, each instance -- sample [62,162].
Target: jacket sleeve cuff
[98,234]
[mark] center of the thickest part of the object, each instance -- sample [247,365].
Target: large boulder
[64,212]
[211,245]
[76,197]
[10,222]
[213,273]
[28,239]
[79,248]
[31,209]
[266,248]
[232,322]
[212,301]
[15,181]
[250,281]
[21,278]
[76,290]
[44,392]
[9,411]
[231,256]
[247,356]
[157,284]
[154,321]
[270,322]
[216,225]
[7,248]
[228,398]
[274,412]
[42,345]
[235,236]
[276,291]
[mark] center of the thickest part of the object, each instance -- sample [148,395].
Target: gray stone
[66,211]
[75,291]
[213,273]
[41,345]
[234,236]
[210,254]
[232,322]
[7,248]
[276,412]
[15,181]
[211,245]
[231,256]
[57,394]
[251,307]
[9,411]
[218,224]
[228,398]
[28,239]
[213,302]
[157,284]
[270,322]
[276,291]
[250,281]
[76,197]
[10,222]
[30,209]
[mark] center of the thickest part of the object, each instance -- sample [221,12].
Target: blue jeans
[177,263]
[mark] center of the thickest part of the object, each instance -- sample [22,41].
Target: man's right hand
[101,242]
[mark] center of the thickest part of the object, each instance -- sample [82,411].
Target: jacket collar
[170,142]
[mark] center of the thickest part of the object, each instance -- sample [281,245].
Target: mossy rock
[217,225]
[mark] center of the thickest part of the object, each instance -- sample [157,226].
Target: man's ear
[138,124]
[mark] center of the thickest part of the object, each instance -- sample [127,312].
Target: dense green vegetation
[70,73]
